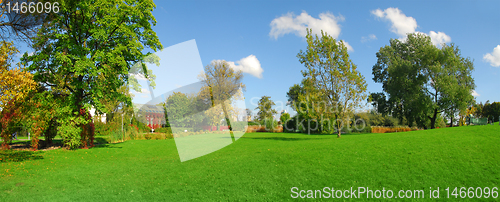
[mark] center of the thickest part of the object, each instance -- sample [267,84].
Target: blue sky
[263,38]
[234,30]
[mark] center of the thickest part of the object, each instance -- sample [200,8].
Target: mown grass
[259,166]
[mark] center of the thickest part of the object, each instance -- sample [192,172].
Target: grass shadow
[281,138]
[18,156]
[103,143]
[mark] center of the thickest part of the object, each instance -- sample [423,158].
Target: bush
[290,126]
[166,130]
[390,121]
[378,129]
[239,126]
[252,123]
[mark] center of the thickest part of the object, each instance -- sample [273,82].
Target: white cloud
[402,25]
[249,65]
[349,47]
[494,57]
[139,77]
[178,86]
[368,38]
[143,91]
[439,38]
[290,23]
[475,94]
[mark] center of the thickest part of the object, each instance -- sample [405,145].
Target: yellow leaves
[7,50]
[14,83]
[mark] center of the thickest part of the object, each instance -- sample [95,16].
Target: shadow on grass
[282,138]
[103,143]
[18,156]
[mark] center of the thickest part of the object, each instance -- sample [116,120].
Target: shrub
[378,129]
[290,126]
[253,123]
[166,130]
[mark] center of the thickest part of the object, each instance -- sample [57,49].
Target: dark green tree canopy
[421,80]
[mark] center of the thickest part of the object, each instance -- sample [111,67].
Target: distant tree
[85,52]
[339,85]
[492,111]
[422,81]
[265,107]
[178,107]
[222,83]
[249,114]
[284,118]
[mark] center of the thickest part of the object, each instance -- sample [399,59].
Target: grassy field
[259,166]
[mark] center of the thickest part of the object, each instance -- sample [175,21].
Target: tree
[339,85]
[222,83]
[86,52]
[492,111]
[249,114]
[284,118]
[293,95]
[265,107]
[15,85]
[422,81]
[178,107]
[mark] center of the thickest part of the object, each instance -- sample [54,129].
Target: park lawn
[258,166]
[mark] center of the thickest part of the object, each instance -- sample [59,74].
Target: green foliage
[293,95]
[377,119]
[239,125]
[422,81]
[491,111]
[270,124]
[266,111]
[165,130]
[334,87]
[284,117]
[141,127]
[85,54]
[182,110]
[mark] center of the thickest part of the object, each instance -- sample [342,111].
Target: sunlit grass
[259,166]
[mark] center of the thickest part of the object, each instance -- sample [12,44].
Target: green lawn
[259,166]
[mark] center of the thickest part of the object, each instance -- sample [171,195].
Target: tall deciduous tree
[87,50]
[265,107]
[340,86]
[423,81]
[222,82]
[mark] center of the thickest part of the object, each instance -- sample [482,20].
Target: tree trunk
[433,118]
[338,127]
[226,115]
